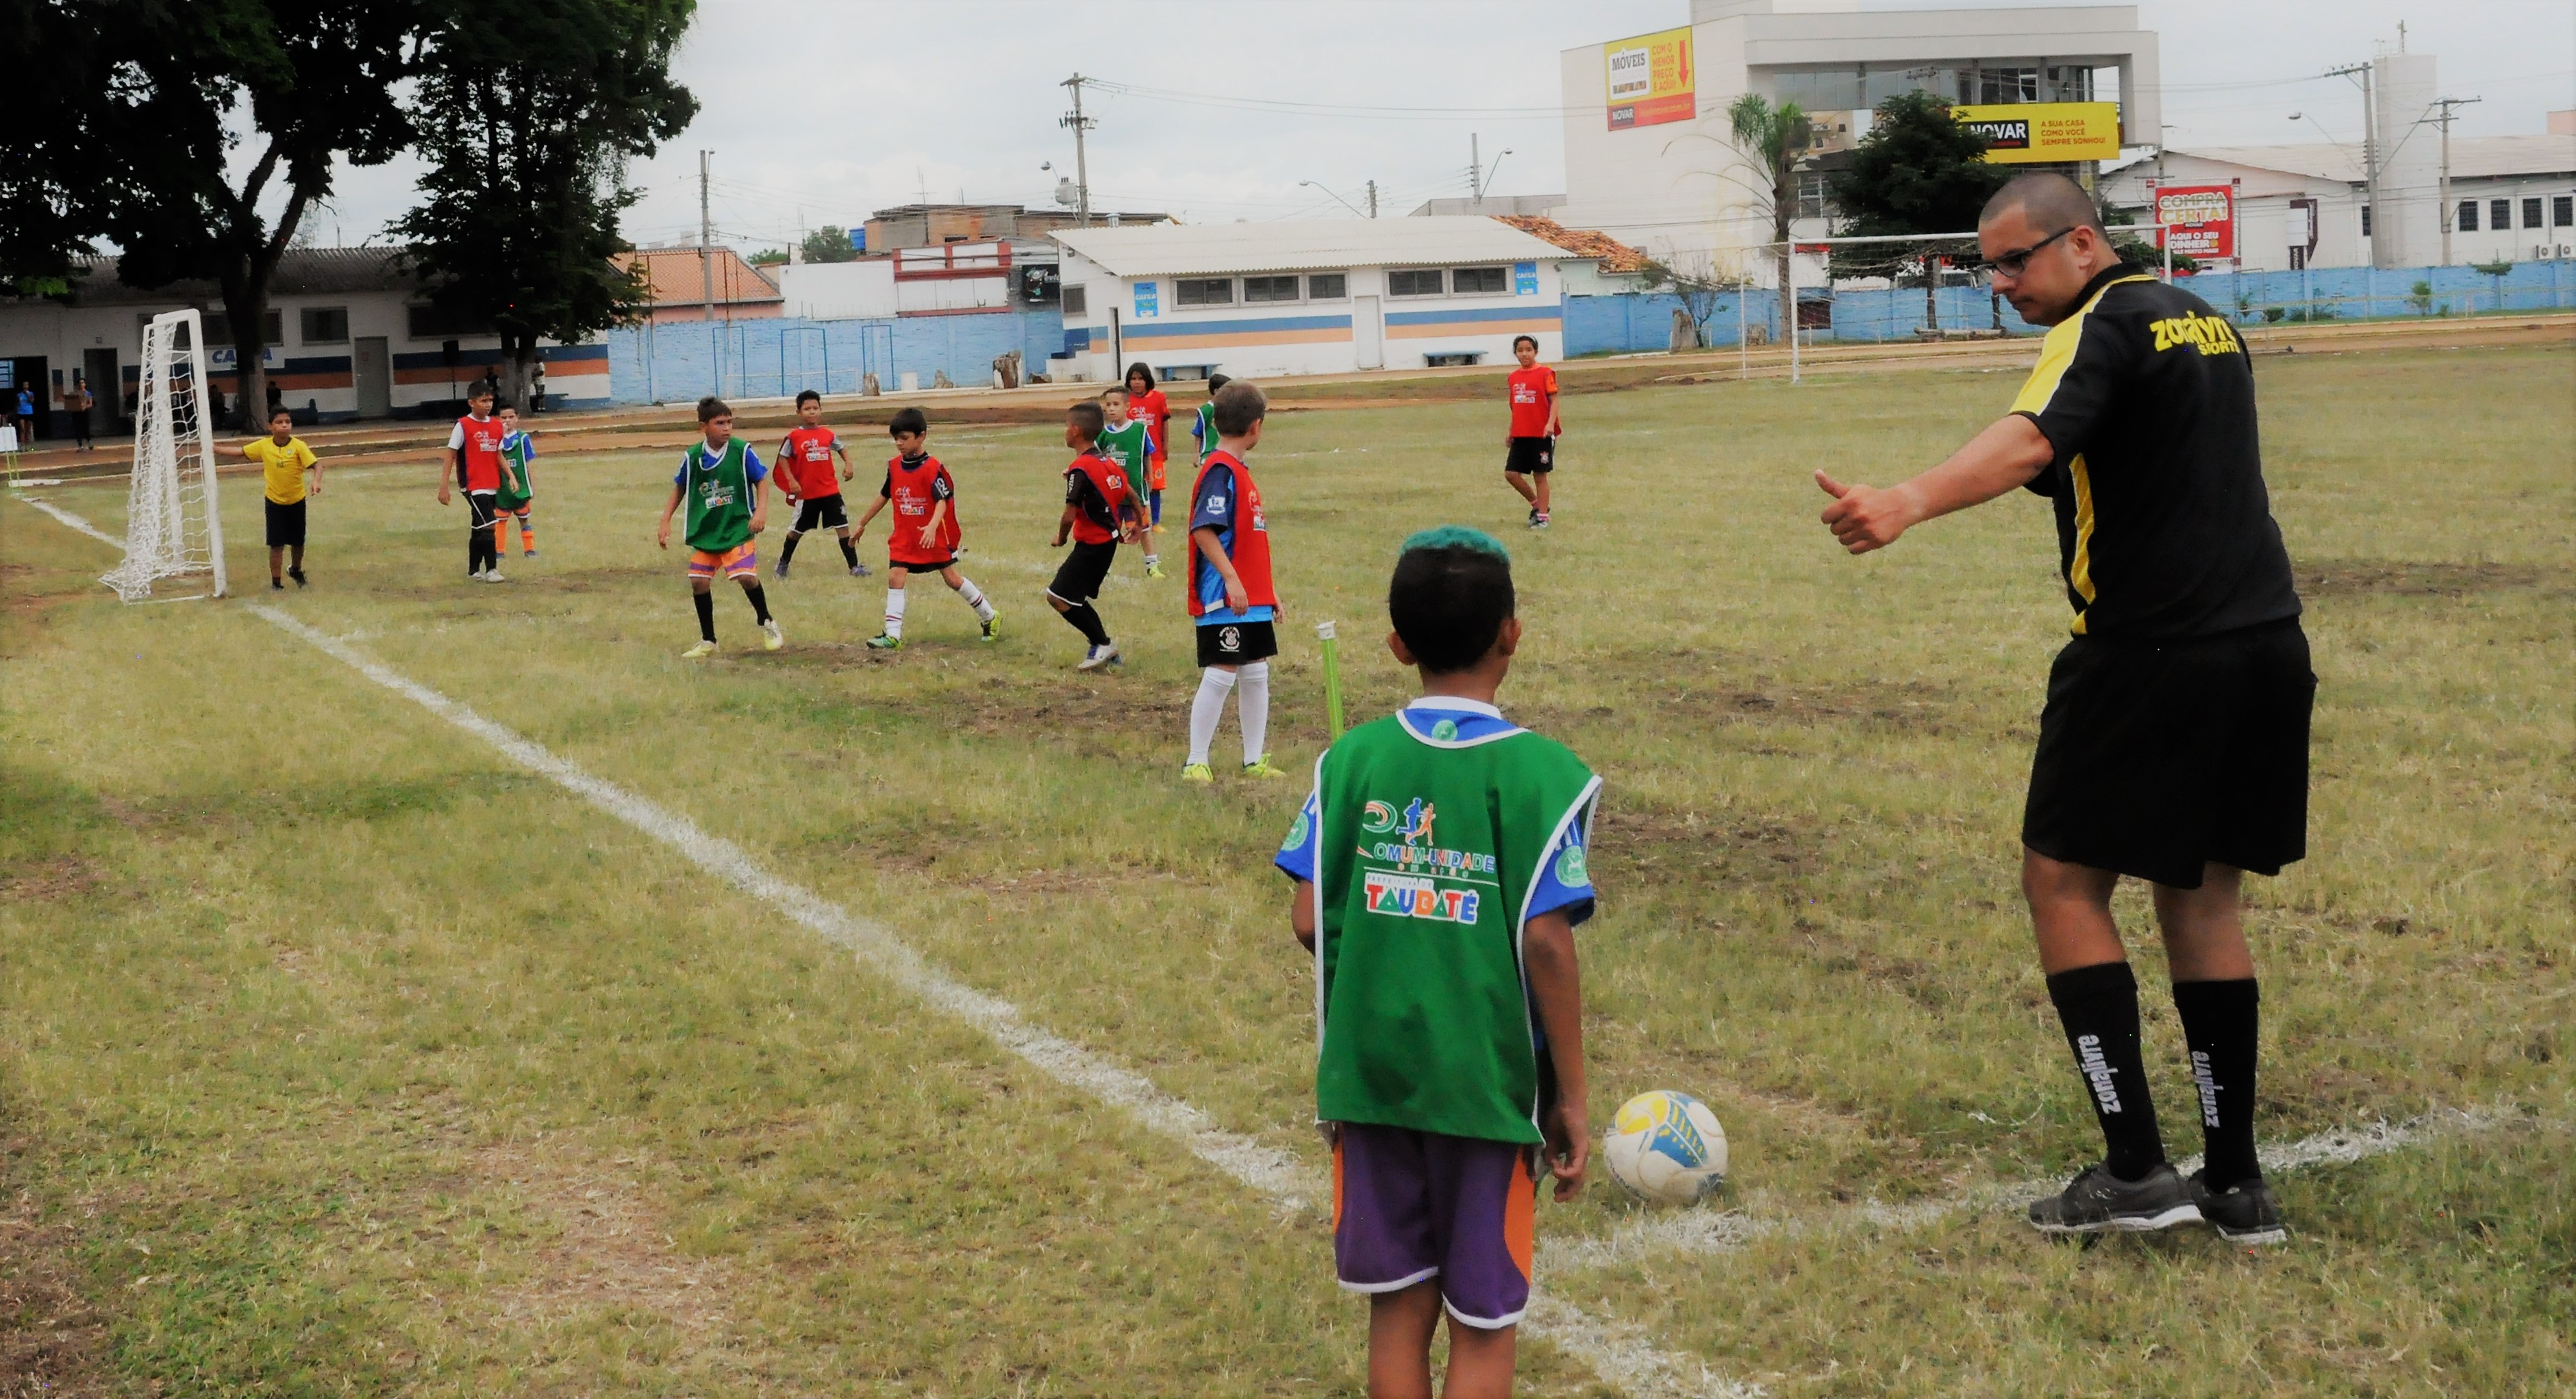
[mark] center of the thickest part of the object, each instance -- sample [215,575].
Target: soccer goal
[173,527]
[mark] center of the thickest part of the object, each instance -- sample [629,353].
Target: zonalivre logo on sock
[2097,1071]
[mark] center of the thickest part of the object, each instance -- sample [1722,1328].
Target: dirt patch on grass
[1078,703]
[63,877]
[611,1251]
[1915,706]
[52,1341]
[2399,578]
[1655,847]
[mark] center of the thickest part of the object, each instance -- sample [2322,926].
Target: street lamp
[1310,184]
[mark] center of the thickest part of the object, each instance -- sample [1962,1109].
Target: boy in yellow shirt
[285,459]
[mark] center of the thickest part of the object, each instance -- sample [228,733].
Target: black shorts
[1236,643]
[820,512]
[1078,580]
[285,524]
[2156,757]
[1531,456]
[921,567]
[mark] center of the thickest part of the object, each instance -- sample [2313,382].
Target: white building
[1653,164]
[349,335]
[951,279]
[1268,299]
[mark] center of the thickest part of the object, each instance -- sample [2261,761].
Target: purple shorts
[1411,1205]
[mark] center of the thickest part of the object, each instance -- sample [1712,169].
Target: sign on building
[2199,219]
[1651,79]
[1524,279]
[1148,301]
[2044,133]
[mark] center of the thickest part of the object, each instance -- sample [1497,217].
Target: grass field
[342,1054]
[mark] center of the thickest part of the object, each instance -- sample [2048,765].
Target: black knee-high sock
[2219,1019]
[787,551]
[706,614]
[1085,619]
[759,602]
[2099,1007]
[849,552]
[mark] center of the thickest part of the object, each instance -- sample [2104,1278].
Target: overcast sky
[818,111]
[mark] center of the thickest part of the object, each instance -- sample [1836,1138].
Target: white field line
[1718,1232]
[75,521]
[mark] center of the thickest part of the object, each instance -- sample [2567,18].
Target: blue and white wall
[677,361]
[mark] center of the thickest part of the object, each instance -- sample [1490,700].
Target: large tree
[219,127]
[1771,139]
[47,213]
[1917,171]
[527,127]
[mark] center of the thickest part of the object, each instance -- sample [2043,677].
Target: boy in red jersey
[1146,404]
[1532,436]
[1231,597]
[1099,510]
[924,534]
[805,478]
[473,460]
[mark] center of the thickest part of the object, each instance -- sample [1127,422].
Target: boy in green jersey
[517,492]
[1131,445]
[1204,429]
[1440,874]
[720,479]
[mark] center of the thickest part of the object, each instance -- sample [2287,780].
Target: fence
[1638,323]
[676,360]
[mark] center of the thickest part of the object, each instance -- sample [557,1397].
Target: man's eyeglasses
[2014,263]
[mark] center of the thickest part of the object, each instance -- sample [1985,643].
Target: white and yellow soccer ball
[1666,1148]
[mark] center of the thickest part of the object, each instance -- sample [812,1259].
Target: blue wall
[676,360]
[1639,323]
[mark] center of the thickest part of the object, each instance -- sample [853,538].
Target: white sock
[1253,701]
[1207,709]
[1152,559]
[974,598]
[894,611]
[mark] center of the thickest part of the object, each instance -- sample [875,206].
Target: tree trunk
[1784,204]
[518,363]
[1931,290]
[246,303]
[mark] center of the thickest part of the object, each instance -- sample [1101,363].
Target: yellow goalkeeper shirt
[284,466]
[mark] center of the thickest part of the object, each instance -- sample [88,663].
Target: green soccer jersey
[516,453]
[1433,843]
[1131,445]
[1207,429]
[718,488]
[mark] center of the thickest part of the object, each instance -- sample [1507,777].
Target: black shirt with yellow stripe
[2164,529]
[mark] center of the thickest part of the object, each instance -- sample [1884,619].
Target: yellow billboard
[2034,133]
[1651,81]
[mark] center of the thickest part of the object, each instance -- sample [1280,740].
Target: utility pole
[1373,198]
[1475,171]
[2369,147]
[1081,162]
[2449,214]
[707,270]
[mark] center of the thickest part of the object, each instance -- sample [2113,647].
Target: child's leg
[896,576]
[1252,704]
[1155,504]
[1400,1329]
[1521,484]
[1540,498]
[1480,1362]
[295,562]
[527,536]
[787,551]
[706,605]
[1208,709]
[277,557]
[759,600]
[1082,617]
[966,589]
[849,551]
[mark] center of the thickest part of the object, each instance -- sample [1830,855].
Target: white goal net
[172,528]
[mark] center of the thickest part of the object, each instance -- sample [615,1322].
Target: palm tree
[1770,138]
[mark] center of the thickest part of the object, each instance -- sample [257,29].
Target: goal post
[173,522]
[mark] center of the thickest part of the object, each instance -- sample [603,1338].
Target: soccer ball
[1666,1148]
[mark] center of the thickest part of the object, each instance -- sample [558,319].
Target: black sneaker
[2097,1201]
[276,587]
[297,574]
[2243,1213]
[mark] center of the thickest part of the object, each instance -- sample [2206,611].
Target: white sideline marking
[1703,1231]
[75,521]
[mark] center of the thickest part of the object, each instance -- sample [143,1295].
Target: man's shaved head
[2048,200]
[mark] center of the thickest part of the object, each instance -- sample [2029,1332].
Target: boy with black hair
[1450,1060]
[1204,428]
[1530,441]
[1099,510]
[924,536]
[1131,445]
[805,478]
[1231,596]
[517,492]
[720,479]
[284,460]
[1147,405]
[472,459]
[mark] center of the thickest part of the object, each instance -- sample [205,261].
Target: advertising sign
[2041,133]
[1524,279]
[1651,81]
[2201,219]
[1148,301]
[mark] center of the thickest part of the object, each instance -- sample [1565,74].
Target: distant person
[2173,747]
[1530,442]
[26,415]
[1204,428]
[1146,404]
[276,397]
[1099,511]
[1130,444]
[1440,874]
[518,490]
[80,404]
[537,388]
[1231,600]
[806,478]
[924,535]
[284,460]
[473,461]
[720,478]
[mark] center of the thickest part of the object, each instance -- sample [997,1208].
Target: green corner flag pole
[1332,680]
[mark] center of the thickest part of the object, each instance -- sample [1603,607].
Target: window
[1204,291]
[439,323]
[2468,216]
[2499,214]
[1413,281]
[1480,281]
[2562,210]
[2007,85]
[219,328]
[1269,289]
[1811,195]
[2365,220]
[1077,302]
[325,325]
[1333,286]
[2531,212]
[1819,90]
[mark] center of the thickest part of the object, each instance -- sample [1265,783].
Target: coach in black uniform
[2174,744]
